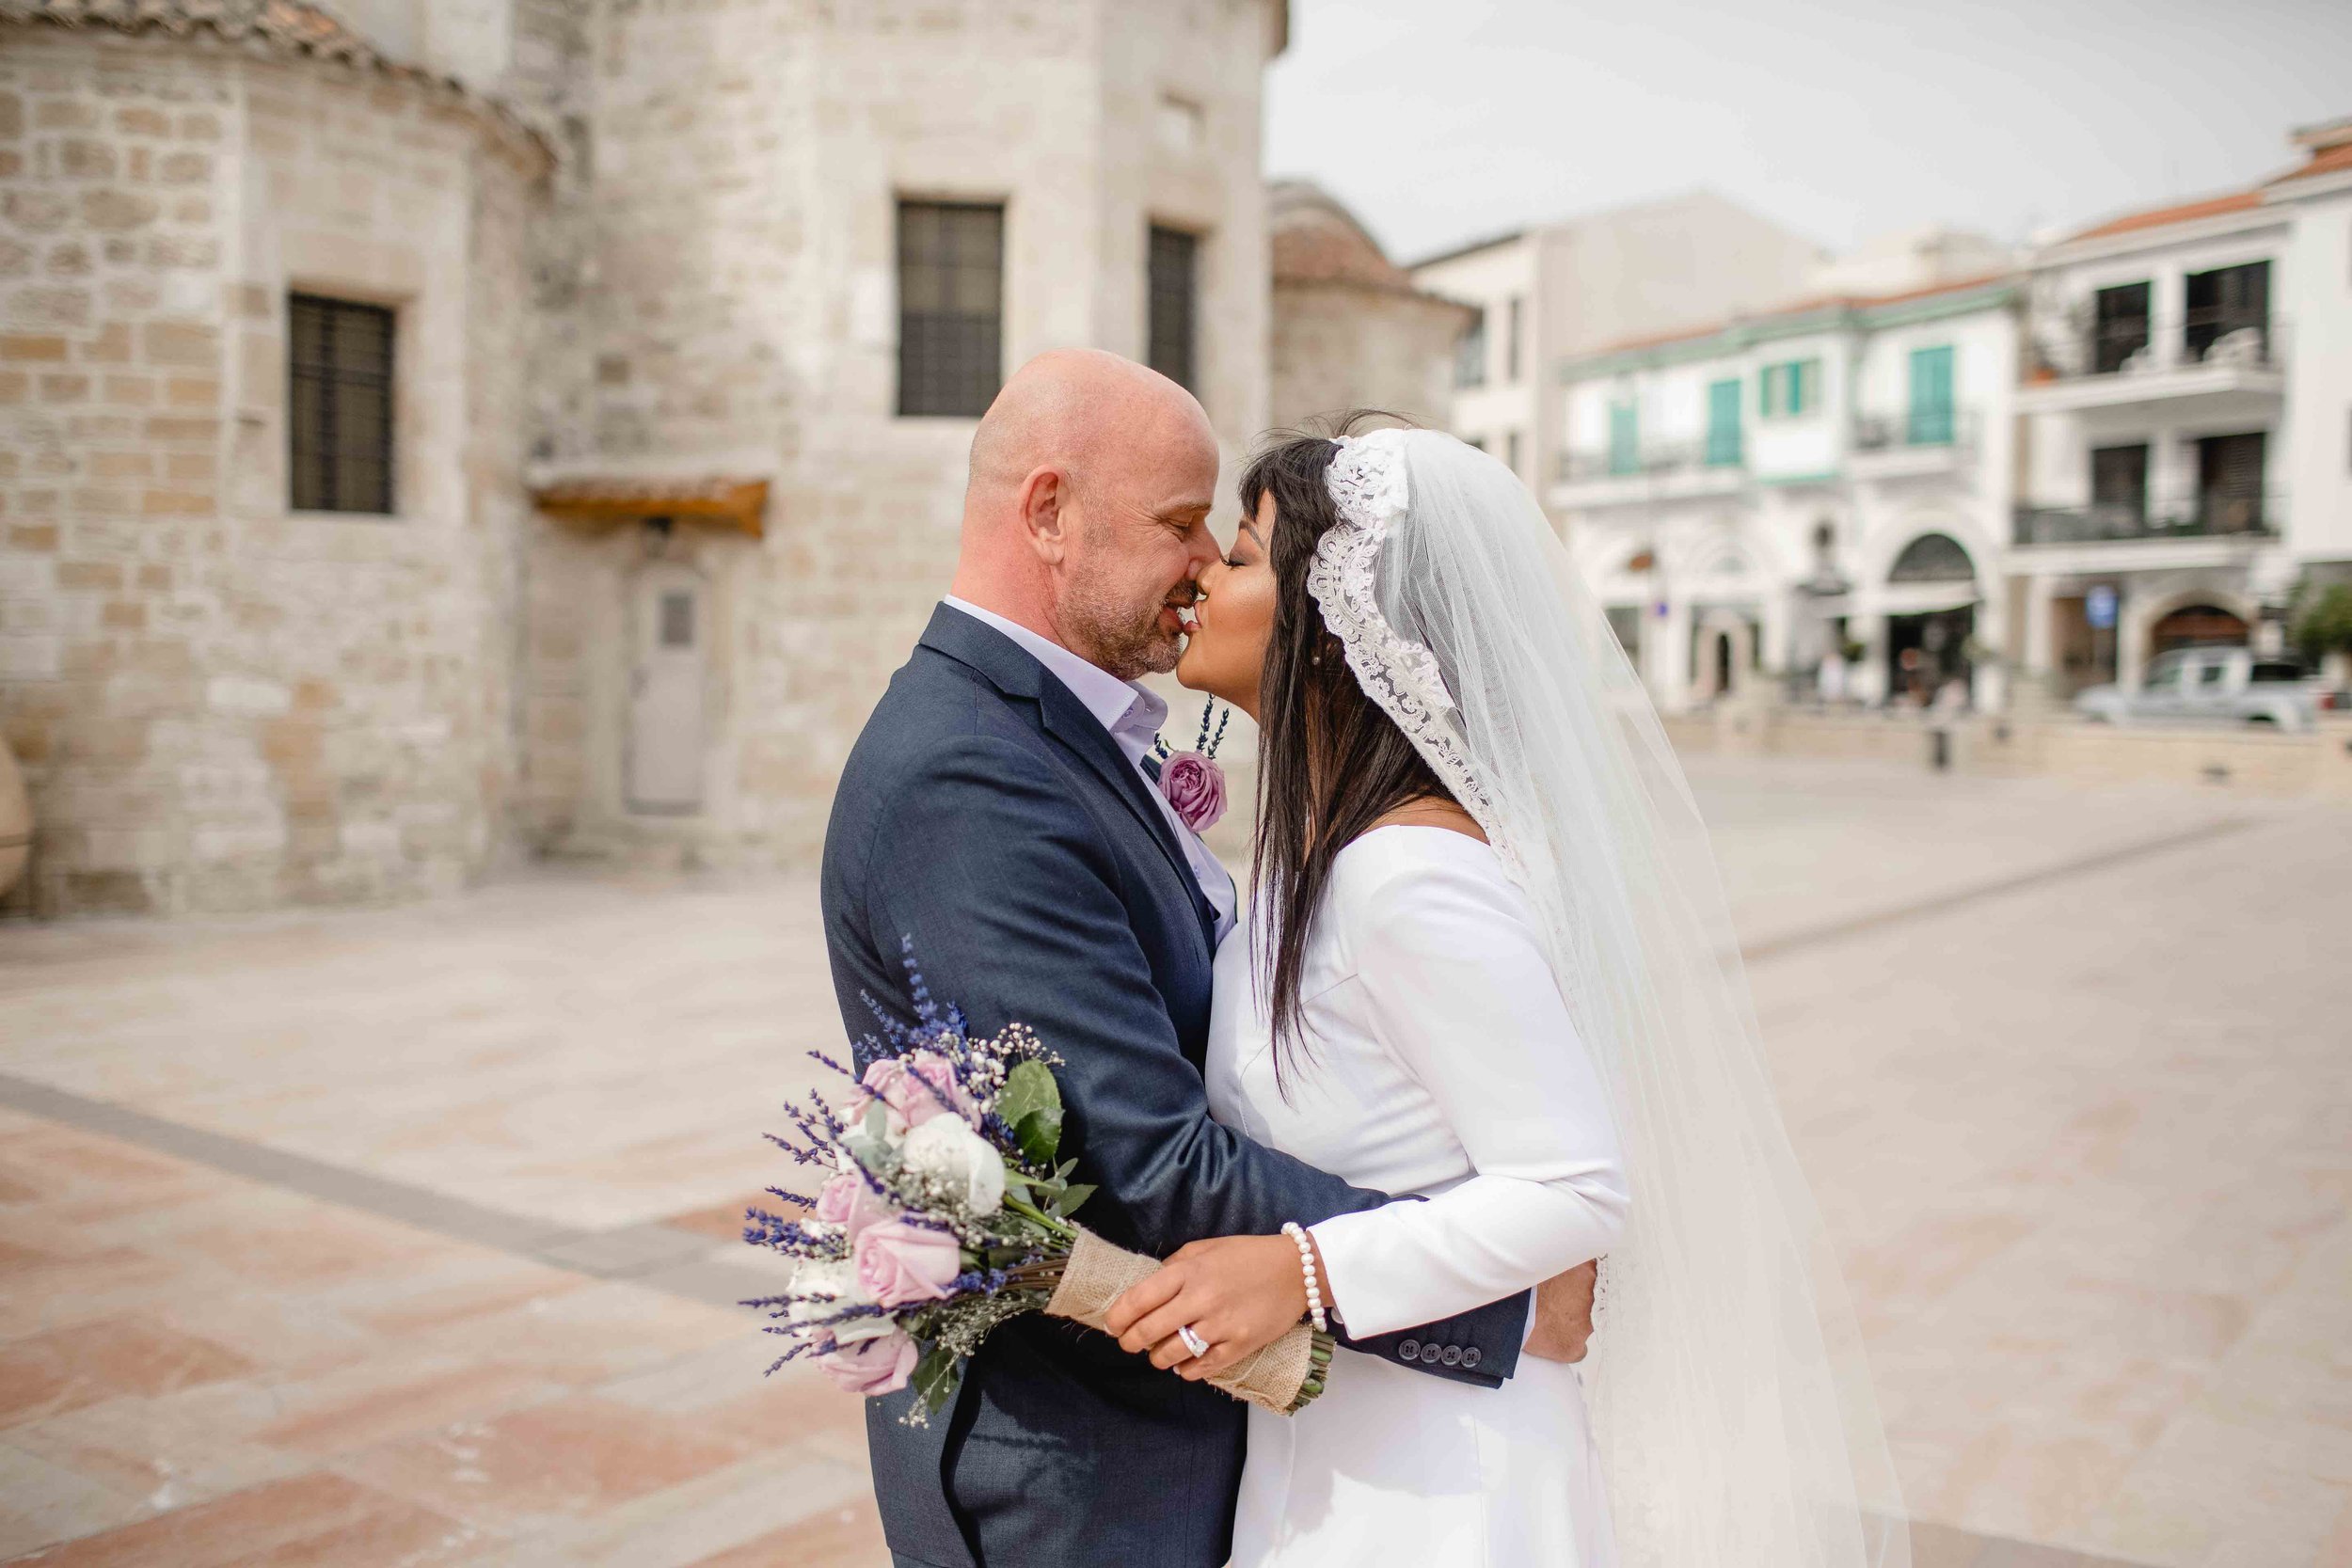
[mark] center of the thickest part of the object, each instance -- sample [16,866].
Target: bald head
[1086,512]
[1072,407]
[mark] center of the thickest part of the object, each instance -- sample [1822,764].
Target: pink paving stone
[66,1368]
[322,1520]
[573,1457]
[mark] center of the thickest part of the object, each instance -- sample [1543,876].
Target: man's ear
[1044,513]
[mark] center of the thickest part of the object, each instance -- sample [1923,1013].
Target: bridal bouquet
[946,1212]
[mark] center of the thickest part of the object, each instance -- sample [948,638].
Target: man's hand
[1564,1315]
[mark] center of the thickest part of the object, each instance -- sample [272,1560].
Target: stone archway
[2205,608]
[1931,599]
[2202,625]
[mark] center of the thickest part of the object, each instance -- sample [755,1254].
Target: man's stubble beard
[1119,638]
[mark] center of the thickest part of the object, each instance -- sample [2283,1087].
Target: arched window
[1933,557]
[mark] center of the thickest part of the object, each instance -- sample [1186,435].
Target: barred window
[951,307]
[338,405]
[1174,263]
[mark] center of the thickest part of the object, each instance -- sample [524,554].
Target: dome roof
[294,27]
[1315,240]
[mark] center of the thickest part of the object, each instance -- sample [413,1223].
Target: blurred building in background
[1946,471]
[1350,329]
[1826,481]
[2187,434]
[1547,293]
[443,431]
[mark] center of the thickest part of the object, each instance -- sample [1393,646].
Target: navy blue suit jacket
[986,814]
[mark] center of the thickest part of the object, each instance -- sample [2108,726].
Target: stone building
[449,431]
[1350,328]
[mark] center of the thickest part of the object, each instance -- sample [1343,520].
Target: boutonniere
[1191,781]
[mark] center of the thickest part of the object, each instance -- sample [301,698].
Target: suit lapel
[1077,730]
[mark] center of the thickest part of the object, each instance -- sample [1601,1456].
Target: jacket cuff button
[1470,1358]
[1408,1350]
[1452,1357]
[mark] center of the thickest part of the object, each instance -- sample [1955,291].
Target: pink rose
[1194,786]
[915,1089]
[847,1200]
[940,1073]
[898,1263]
[871,1366]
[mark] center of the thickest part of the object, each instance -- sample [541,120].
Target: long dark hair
[1330,762]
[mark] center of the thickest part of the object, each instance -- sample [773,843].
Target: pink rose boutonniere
[1191,781]
[1194,786]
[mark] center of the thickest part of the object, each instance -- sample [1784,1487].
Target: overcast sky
[1443,121]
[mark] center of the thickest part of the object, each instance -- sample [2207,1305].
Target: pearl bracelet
[1307,1265]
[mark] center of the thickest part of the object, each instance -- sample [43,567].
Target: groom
[997,809]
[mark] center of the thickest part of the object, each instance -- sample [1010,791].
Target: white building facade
[1549,292]
[1811,501]
[2187,437]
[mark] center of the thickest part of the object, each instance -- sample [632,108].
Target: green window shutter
[1931,416]
[1722,423]
[1804,385]
[1625,440]
[1769,397]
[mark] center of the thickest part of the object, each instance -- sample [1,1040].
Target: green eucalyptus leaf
[1029,1088]
[1070,1198]
[1039,1133]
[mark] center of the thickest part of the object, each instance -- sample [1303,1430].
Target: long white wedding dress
[1439,1060]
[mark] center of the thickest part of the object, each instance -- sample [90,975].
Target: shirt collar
[1117,706]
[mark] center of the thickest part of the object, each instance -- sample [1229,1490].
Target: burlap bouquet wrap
[1098,1273]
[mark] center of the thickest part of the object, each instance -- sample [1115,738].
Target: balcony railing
[1920,427]
[1652,460]
[2137,346]
[2186,517]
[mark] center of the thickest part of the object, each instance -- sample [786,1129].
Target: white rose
[946,1147]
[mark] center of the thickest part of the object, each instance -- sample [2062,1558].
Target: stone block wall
[740,231]
[1339,346]
[220,705]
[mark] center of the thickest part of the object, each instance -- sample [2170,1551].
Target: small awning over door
[598,503]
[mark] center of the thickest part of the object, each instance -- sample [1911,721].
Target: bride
[1488,964]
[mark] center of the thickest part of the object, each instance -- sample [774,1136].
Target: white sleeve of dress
[1461,992]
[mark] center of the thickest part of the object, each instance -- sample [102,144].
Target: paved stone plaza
[404,1236]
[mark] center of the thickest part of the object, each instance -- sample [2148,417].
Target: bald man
[999,813]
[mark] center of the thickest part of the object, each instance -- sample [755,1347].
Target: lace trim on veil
[1367,481]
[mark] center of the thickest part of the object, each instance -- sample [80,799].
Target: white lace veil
[1734,1415]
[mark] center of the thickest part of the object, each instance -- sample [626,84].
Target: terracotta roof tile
[2325,160]
[2187,212]
[1313,239]
[1795,308]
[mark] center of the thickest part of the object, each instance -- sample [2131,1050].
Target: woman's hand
[1240,1293]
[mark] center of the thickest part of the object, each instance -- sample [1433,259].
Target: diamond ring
[1192,1340]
